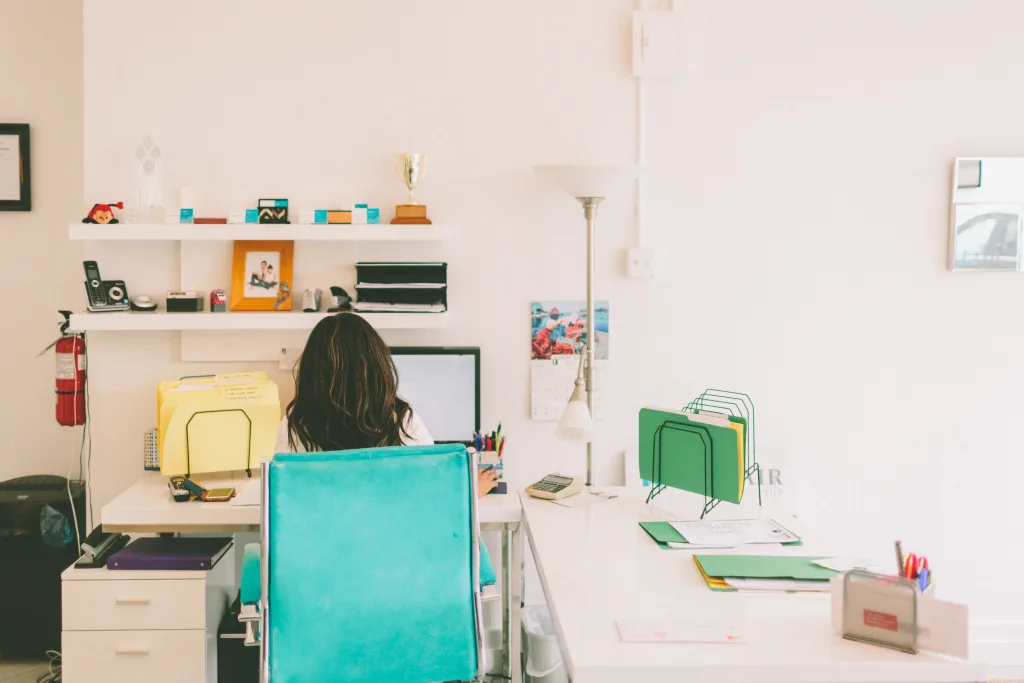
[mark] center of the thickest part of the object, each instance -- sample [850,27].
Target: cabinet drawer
[133,656]
[133,605]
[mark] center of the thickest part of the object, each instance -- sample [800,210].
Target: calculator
[555,487]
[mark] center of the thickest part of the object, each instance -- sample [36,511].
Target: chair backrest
[373,566]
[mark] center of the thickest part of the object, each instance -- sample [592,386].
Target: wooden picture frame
[261,275]
[15,167]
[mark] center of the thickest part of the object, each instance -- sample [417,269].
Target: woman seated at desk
[346,396]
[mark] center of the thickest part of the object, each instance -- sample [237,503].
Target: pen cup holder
[878,609]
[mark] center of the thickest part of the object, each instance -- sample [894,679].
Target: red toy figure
[103,213]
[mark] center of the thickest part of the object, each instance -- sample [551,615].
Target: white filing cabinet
[127,626]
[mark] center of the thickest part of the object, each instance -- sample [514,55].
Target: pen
[924,579]
[899,559]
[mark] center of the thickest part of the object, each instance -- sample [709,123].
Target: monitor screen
[442,384]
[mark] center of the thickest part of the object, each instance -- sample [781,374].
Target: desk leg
[518,586]
[512,559]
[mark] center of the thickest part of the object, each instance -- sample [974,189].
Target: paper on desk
[845,564]
[729,534]
[579,500]
[779,585]
[943,627]
[247,493]
[678,632]
[696,546]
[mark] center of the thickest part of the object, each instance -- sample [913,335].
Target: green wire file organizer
[729,404]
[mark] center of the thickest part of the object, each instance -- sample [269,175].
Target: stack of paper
[398,287]
[399,308]
[724,534]
[773,573]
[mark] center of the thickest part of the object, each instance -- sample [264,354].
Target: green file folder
[763,567]
[664,533]
[690,455]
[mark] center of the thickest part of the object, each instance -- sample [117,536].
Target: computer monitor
[442,384]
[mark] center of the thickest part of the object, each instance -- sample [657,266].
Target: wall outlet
[289,357]
[640,262]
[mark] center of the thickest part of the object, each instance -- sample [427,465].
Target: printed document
[729,534]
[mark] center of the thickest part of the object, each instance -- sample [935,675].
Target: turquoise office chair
[368,567]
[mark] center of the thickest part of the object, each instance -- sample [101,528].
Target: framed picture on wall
[987,236]
[15,168]
[261,276]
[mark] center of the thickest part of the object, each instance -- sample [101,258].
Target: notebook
[193,554]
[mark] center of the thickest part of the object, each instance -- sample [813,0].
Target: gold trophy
[411,168]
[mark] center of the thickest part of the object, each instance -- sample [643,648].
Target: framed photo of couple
[261,276]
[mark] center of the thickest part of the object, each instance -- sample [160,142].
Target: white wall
[798,181]
[41,84]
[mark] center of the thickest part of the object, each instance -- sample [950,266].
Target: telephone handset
[104,295]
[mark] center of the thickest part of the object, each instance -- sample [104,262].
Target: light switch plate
[640,262]
[656,44]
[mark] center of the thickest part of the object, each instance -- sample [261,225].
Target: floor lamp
[590,185]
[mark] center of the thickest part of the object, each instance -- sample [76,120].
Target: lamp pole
[590,211]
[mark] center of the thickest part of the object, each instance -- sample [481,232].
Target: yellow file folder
[216,424]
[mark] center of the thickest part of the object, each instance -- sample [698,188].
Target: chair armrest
[487,575]
[251,587]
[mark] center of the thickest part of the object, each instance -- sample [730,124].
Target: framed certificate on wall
[15,168]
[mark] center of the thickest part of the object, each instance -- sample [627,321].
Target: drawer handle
[132,651]
[131,601]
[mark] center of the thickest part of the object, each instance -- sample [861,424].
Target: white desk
[598,566]
[147,507]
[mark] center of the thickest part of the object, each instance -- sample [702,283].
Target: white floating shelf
[255,231]
[126,321]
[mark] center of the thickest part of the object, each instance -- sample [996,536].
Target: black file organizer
[398,284]
[248,454]
[728,403]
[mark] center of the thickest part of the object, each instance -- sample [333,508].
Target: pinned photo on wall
[560,328]
[987,237]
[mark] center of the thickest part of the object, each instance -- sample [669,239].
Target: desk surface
[598,566]
[147,506]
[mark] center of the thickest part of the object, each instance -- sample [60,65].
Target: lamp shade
[576,425]
[589,181]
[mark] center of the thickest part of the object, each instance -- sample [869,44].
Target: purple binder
[170,553]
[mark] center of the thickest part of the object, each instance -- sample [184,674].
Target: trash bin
[540,647]
[494,660]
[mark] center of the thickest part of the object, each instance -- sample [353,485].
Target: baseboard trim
[999,643]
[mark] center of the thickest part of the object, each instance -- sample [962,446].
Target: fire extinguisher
[70,350]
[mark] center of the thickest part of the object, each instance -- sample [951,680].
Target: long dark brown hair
[346,390]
